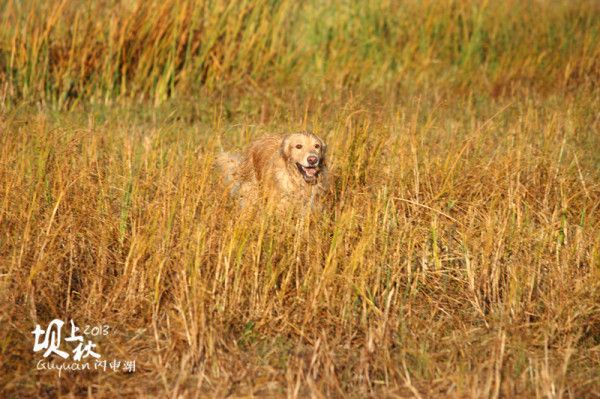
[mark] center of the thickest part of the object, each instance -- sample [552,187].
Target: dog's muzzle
[309,173]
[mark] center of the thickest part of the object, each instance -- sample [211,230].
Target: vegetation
[458,254]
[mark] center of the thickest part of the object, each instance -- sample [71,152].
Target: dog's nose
[312,160]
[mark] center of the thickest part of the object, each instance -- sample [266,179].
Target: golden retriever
[289,169]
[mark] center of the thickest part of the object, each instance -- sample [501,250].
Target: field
[458,251]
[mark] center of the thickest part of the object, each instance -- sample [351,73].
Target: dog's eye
[317,146]
[298,146]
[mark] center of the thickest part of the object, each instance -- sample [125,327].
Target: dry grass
[65,52]
[459,251]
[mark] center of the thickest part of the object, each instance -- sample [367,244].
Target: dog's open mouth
[308,172]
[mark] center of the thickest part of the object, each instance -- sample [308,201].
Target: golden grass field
[458,252]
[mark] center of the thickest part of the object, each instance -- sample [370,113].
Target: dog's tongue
[310,171]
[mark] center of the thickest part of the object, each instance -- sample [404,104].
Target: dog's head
[306,152]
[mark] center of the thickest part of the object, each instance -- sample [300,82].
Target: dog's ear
[284,148]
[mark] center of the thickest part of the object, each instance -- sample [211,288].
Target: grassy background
[66,51]
[459,251]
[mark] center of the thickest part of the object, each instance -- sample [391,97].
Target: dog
[290,170]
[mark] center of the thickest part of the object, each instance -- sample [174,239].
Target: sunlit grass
[457,248]
[458,252]
[63,51]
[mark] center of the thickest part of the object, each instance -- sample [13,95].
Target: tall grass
[63,51]
[458,252]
